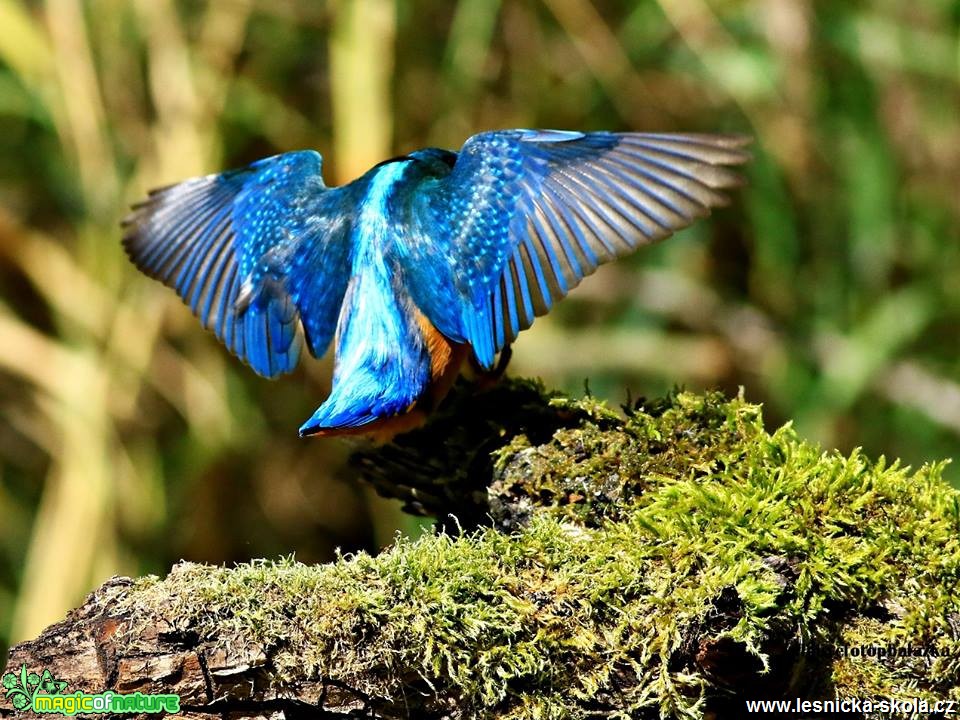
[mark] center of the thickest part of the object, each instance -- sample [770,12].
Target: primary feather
[467,247]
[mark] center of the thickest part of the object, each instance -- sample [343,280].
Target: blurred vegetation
[130,439]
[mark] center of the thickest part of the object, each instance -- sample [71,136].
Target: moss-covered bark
[671,560]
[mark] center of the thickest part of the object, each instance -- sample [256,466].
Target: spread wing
[524,215]
[255,253]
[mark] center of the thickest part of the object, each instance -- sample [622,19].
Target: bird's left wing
[254,252]
[524,215]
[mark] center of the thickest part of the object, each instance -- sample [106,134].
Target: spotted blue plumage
[475,244]
[239,248]
[524,215]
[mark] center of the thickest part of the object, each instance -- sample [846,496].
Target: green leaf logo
[20,689]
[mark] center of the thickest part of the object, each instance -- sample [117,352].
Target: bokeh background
[129,438]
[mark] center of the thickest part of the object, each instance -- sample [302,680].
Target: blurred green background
[129,438]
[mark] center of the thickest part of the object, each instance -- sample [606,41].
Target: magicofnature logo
[43,693]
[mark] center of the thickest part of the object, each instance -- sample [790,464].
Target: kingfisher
[427,260]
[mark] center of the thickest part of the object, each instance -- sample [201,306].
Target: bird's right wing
[524,215]
[254,253]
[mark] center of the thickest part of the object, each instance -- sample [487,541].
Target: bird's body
[423,260]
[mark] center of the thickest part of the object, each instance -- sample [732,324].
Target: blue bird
[425,259]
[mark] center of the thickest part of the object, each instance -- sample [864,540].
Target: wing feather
[239,249]
[525,215]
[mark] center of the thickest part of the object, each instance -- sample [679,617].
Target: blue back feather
[382,363]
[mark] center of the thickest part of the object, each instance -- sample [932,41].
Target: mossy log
[673,559]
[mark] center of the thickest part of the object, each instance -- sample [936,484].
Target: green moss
[662,563]
[595,470]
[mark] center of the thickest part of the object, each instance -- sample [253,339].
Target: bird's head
[436,160]
[427,162]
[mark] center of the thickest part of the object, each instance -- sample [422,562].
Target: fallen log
[673,559]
